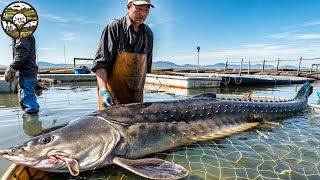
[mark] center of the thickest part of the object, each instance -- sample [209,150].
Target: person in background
[24,61]
[247,96]
[124,56]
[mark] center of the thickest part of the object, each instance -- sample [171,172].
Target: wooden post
[249,67]
[74,63]
[264,62]
[226,66]
[198,48]
[299,66]
[240,70]
[278,65]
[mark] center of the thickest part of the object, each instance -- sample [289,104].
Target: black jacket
[140,42]
[24,56]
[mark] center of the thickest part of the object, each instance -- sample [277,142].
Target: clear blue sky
[224,29]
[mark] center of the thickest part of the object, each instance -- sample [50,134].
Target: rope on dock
[225,81]
[235,80]
[157,78]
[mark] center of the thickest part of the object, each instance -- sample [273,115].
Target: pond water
[293,150]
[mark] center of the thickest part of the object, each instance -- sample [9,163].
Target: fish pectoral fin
[73,166]
[152,168]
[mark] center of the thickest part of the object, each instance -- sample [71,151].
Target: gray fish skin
[154,127]
[135,130]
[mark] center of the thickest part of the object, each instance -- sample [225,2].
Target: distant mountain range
[167,64]
[53,65]
[48,65]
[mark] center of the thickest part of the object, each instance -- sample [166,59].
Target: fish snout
[11,151]
[6,152]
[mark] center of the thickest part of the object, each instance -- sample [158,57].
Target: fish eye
[44,140]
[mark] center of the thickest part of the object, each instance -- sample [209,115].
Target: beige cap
[140,2]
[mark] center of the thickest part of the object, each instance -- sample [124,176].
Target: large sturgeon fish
[124,134]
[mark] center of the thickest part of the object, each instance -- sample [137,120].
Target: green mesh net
[290,150]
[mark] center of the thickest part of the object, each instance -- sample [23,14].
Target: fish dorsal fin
[152,168]
[225,131]
[210,95]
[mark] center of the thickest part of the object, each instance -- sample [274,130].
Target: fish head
[35,153]
[304,92]
[85,144]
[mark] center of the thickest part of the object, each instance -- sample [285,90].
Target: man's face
[138,14]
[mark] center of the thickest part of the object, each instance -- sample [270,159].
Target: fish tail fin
[304,92]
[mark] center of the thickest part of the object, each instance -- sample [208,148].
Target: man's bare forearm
[101,78]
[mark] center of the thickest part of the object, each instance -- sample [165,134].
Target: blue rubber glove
[106,98]
[318,94]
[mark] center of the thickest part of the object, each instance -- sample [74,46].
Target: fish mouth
[54,159]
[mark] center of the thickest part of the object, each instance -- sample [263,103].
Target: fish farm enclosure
[287,151]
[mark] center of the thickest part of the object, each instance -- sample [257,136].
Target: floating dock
[156,88]
[195,80]
[69,77]
[178,80]
[184,82]
[236,80]
[164,80]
